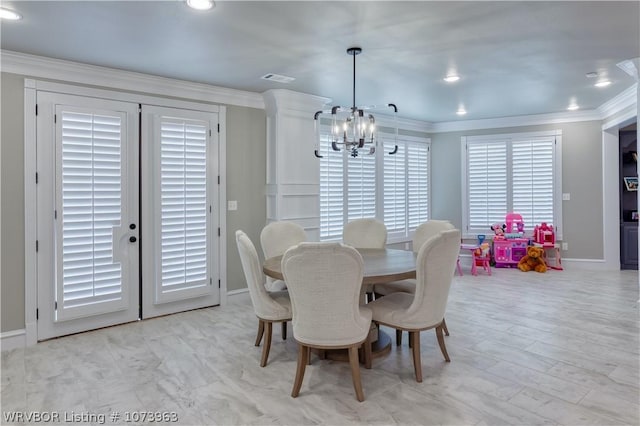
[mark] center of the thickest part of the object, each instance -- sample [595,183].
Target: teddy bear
[533,260]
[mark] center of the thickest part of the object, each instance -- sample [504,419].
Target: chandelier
[353,128]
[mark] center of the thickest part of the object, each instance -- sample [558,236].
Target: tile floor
[526,348]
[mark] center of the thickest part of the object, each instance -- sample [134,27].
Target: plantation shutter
[486,184]
[532,171]
[418,184]
[90,166]
[395,190]
[183,204]
[331,192]
[361,187]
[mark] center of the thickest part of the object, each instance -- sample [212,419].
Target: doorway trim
[610,184]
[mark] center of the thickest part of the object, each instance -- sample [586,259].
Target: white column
[293,172]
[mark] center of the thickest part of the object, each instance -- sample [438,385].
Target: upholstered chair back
[365,233]
[434,265]
[264,305]
[428,230]
[277,237]
[324,281]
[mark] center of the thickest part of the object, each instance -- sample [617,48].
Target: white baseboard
[13,339]
[239,296]
[588,265]
[237,292]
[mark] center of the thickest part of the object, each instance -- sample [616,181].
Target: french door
[180,228]
[87,194]
[102,258]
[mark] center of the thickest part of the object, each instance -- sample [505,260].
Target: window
[518,173]
[392,188]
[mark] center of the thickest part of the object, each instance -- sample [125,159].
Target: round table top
[380,265]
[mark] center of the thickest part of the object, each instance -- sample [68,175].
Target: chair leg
[366,346]
[459,267]
[284,330]
[414,337]
[267,344]
[355,372]
[444,327]
[303,356]
[260,332]
[441,343]
[398,337]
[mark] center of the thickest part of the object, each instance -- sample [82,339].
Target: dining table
[381,266]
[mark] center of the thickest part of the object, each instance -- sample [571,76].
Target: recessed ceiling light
[201,4]
[603,83]
[9,14]
[451,78]
[461,111]
[573,107]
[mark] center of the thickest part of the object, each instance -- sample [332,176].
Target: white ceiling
[515,58]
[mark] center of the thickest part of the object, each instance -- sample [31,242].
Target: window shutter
[487,184]
[91,175]
[418,184]
[532,170]
[183,193]
[361,187]
[395,189]
[331,192]
[392,188]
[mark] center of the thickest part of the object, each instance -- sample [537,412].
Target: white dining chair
[422,233]
[367,233]
[424,309]
[269,307]
[324,281]
[275,239]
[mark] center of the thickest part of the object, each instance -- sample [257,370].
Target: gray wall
[581,177]
[12,192]
[246,171]
[246,183]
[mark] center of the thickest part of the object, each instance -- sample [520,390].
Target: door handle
[132,239]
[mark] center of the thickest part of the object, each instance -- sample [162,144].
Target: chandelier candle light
[352,128]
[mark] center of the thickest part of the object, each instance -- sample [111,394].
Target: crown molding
[625,99]
[68,71]
[275,99]
[383,120]
[516,121]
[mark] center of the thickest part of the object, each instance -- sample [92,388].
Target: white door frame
[31,86]
[611,188]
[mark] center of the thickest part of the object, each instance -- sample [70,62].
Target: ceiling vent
[277,77]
